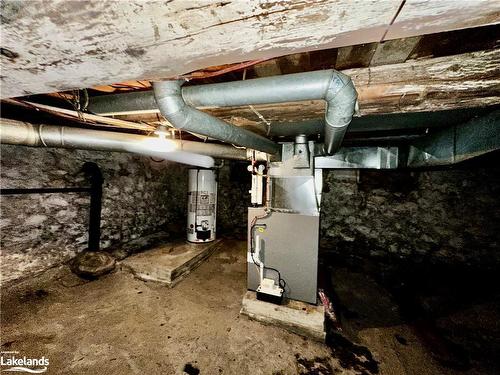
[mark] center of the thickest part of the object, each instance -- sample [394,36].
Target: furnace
[283,231]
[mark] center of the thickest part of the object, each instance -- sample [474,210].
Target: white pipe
[261,263]
[22,133]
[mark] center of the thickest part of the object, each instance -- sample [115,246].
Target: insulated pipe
[334,87]
[22,133]
[182,116]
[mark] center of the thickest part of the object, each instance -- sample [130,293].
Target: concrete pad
[294,316]
[169,263]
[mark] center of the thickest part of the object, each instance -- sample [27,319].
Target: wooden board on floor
[295,316]
[169,263]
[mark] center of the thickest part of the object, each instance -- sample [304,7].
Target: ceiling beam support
[413,86]
[60,45]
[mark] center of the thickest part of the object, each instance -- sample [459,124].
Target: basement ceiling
[422,81]
[100,43]
[435,72]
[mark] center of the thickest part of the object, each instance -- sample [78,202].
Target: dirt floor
[121,325]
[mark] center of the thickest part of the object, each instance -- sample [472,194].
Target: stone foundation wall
[233,199]
[449,216]
[140,197]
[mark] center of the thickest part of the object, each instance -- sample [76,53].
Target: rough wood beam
[419,17]
[461,81]
[394,51]
[355,56]
[59,45]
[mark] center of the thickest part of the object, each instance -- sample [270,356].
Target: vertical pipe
[94,175]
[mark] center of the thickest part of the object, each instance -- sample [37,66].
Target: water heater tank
[202,205]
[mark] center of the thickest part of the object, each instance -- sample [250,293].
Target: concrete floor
[122,325]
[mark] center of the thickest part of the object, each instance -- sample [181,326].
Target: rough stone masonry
[449,216]
[140,197]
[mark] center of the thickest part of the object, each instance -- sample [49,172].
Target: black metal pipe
[16,191]
[94,176]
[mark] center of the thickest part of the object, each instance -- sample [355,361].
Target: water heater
[202,205]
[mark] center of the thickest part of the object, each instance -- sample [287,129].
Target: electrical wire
[281,281]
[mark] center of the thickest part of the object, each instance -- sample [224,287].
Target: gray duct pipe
[171,104]
[334,87]
[22,133]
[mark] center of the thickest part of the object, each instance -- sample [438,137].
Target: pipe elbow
[341,98]
[168,96]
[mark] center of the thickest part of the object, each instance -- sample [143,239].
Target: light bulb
[158,144]
[162,147]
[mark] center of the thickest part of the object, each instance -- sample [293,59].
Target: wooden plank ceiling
[58,45]
[356,56]
[452,70]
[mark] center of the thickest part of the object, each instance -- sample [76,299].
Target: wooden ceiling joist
[461,81]
[59,45]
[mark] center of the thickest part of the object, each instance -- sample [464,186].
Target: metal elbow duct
[177,104]
[341,98]
[332,86]
[169,99]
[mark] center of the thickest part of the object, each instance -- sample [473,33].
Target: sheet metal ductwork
[177,104]
[22,133]
[170,101]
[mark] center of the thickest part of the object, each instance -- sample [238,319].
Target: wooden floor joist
[104,42]
[460,81]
